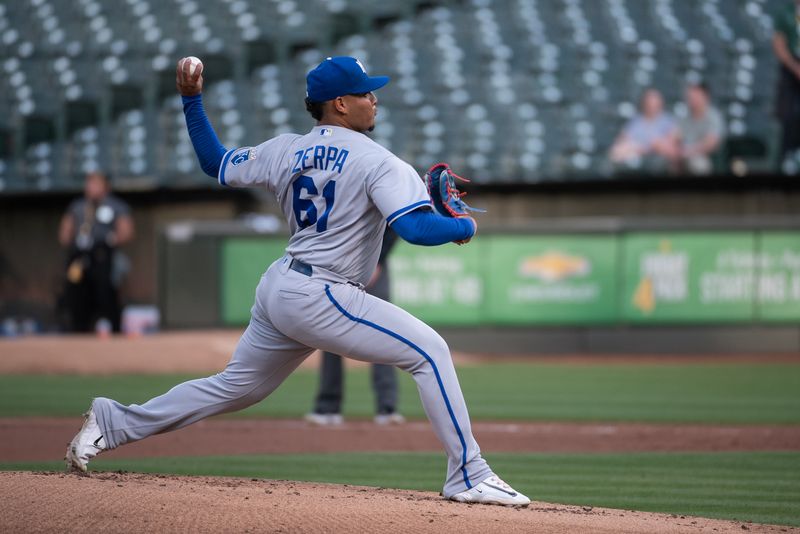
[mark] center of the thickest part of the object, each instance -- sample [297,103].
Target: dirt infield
[173,352]
[111,502]
[41,439]
[209,351]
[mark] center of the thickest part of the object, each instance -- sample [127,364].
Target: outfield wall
[32,263]
[576,284]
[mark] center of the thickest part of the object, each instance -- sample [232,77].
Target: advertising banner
[440,285]
[244,260]
[779,276]
[568,279]
[642,278]
[689,277]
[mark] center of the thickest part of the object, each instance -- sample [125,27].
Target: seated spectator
[650,139]
[701,132]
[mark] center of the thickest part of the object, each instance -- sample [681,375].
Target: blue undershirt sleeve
[425,227]
[206,144]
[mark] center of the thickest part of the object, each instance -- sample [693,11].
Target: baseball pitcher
[338,190]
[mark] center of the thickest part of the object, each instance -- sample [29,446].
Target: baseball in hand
[195,65]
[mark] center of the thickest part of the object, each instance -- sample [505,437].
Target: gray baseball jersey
[338,189]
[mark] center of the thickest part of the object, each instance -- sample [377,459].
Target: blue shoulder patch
[241,157]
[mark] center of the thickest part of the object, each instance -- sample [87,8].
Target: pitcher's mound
[112,502]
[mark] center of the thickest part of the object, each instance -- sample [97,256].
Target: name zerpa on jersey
[320,157]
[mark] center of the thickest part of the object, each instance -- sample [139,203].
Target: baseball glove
[441,182]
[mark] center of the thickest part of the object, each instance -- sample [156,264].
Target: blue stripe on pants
[435,372]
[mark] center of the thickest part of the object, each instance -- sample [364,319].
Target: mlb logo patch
[326,132]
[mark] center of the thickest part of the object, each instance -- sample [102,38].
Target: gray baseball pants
[293,313]
[384,377]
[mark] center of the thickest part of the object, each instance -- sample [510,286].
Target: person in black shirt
[91,230]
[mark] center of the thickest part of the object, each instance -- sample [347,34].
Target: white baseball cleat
[385,419]
[492,491]
[86,444]
[324,419]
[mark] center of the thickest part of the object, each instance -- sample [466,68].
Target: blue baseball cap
[339,76]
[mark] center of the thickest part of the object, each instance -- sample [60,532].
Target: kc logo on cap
[358,62]
[339,76]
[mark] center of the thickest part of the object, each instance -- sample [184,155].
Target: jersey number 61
[301,205]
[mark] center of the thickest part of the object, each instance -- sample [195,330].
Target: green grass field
[649,393]
[755,486]
[759,487]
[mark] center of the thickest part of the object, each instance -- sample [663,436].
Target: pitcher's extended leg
[262,360]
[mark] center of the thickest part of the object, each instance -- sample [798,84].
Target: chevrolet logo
[553,266]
